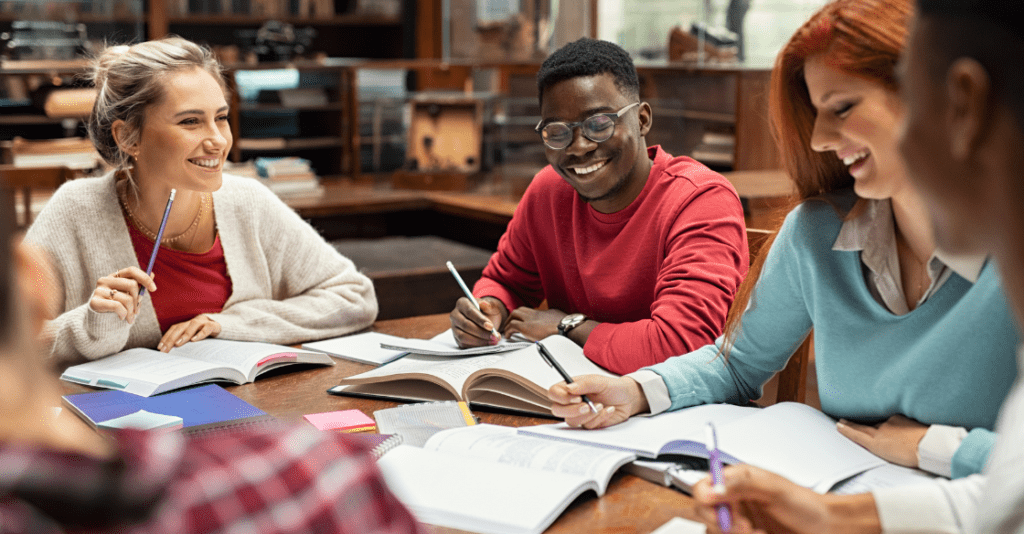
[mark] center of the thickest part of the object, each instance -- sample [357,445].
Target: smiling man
[637,253]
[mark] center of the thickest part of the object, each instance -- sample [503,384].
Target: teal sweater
[949,362]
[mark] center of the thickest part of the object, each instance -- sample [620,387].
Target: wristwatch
[569,322]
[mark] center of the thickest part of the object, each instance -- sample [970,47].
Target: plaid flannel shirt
[272,480]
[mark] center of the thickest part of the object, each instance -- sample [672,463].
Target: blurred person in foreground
[58,475]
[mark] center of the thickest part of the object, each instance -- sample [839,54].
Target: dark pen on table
[568,379]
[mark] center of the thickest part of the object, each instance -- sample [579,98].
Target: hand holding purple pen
[715,461]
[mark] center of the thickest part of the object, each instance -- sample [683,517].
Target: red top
[188,284]
[659,275]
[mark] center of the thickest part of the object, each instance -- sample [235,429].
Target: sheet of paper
[887,476]
[143,420]
[444,344]
[365,347]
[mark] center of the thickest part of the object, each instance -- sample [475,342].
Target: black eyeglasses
[598,128]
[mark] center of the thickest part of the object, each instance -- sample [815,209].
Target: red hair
[859,37]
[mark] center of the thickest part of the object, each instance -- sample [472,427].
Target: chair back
[22,181]
[792,380]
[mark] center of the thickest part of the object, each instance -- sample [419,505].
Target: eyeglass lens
[598,128]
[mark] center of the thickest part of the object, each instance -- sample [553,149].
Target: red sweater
[187,284]
[659,275]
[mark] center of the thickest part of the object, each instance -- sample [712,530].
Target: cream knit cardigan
[287,284]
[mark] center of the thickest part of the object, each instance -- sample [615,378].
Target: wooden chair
[24,180]
[792,380]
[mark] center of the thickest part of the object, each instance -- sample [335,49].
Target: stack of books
[284,176]
[71,152]
[715,149]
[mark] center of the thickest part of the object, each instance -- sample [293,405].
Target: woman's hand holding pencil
[120,293]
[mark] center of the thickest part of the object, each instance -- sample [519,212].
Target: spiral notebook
[203,409]
[378,444]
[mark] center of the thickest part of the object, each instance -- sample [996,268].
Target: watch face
[573,319]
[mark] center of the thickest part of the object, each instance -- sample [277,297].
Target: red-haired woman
[914,348]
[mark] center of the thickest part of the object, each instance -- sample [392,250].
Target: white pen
[469,294]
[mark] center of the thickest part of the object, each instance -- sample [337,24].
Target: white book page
[365,347]
[452,371]
[144,369]
[647,435]
[502,444]
[529,364]
[243,356]
[797,442]
[475,495]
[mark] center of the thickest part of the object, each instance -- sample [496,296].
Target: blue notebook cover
[200,408]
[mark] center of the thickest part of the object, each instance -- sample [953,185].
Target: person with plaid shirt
[59,476]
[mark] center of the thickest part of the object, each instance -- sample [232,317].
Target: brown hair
[860,37]
[128,80]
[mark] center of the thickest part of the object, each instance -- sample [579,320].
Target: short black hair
[6,265]
[989,31]
[589,57]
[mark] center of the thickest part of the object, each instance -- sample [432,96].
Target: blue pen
[469,294]
[715,461]
[159,237]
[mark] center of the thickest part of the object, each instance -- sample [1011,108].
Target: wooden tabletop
[345,197]
[631,504]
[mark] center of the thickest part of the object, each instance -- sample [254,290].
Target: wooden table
[630,505]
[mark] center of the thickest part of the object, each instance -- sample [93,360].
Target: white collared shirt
[873,233]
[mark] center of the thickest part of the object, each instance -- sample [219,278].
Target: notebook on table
[201,409]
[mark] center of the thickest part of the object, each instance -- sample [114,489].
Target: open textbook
[490,479]
[148,372]
[516,380]
[791,439]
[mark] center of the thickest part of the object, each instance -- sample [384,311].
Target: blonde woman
[234,261]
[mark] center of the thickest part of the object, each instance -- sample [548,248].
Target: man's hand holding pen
[472,327]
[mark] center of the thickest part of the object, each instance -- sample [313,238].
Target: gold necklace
[920,266]
[167,240]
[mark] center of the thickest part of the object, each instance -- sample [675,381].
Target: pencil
[469,294]
[159,237]
[568,379]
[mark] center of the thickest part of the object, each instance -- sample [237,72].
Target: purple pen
[159,237]
[715,461]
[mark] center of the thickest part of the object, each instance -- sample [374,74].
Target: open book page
[455,491]
[521,379]
[444,344]
[145,372]
[798,442]
[646,436]
[503,445]
[448,373]
[248,358]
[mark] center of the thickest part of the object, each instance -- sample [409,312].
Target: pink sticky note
[341,420]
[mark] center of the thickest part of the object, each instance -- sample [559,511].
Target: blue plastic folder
[209,407]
